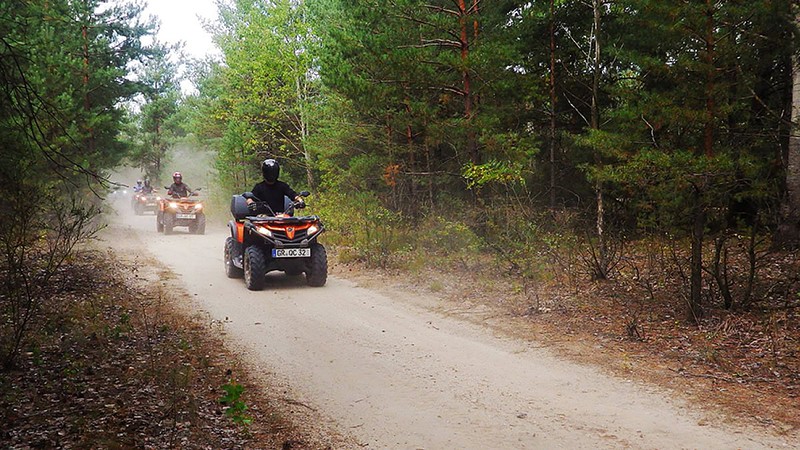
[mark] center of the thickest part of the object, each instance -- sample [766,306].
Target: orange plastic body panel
[240,232]
[290,230]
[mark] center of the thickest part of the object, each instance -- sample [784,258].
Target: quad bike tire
[169,223]
[159,222]
[255,267]
[317,273]
[230,250]
[200,226]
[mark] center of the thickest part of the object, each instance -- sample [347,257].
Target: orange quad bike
[262,241]
[145,202]
[181,212]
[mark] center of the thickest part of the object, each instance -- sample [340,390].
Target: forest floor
[118,366]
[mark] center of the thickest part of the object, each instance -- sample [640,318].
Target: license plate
[291,252]
[184,216]
[151,204]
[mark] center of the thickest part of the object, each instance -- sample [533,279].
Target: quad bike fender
[237,230]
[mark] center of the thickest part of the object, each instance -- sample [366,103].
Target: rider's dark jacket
[273,194]
[181,190]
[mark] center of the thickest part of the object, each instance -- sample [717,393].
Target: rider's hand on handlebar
[252,207]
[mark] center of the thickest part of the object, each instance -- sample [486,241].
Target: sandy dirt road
[393,374]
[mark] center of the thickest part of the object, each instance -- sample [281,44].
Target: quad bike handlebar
[194,193]
[257,206]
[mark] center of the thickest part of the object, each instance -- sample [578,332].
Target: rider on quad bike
[271,190]
[178,209]
[147,188]
[137,188]
[266,237]
[145,199]
[178,188]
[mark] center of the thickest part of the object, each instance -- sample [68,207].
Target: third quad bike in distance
[265,242]
[181,212]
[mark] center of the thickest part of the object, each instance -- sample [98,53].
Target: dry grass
[118,366]
[744,363]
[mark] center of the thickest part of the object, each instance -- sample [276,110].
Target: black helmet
[270,169]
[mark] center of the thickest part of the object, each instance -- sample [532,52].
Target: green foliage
[358,223]
[255,104]
[235,408]
[662,187]
[501,172]
[421,98]
[608,110]
[157,123]
[63,77]
[446,237]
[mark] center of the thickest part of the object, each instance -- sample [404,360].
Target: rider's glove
[252,207]
[300,204]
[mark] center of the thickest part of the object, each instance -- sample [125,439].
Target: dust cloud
[197,165]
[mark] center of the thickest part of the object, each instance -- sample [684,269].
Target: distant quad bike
[145,202]
[263,241]
[181,212]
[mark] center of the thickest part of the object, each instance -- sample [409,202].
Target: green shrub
[365,230]
[235,408]
[443,237]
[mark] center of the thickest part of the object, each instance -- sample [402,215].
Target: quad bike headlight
[264,231]
[198,207]
[173,205]
[158,199]
[312,229]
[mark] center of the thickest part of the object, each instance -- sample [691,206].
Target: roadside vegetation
[90,358]
[114,364]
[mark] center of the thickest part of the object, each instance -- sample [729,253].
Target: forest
[604,139]
[642,144]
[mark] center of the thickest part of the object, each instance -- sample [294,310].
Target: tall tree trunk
[552,105]
[392,175]
[711,75]
[430,174]
[602,262]
[243,164]
[472,144]
[87,105]
[412,203]
[302,97]
[698,231]
[788,232]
